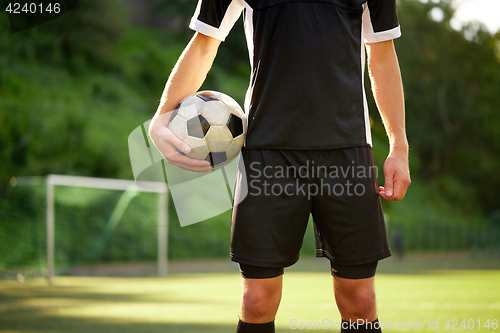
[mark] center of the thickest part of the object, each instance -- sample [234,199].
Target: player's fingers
[381,192]
[174,157]
[401,183]
[168,136]
[190,163]
[172,148]
[191,168]
[388,185]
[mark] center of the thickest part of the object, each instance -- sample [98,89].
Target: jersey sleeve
[380,21]
[215,18]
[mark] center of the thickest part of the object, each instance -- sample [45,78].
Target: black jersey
[308,60]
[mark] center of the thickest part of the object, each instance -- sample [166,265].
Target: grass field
[409,292]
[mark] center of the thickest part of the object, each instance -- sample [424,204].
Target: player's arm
[387,88]
[187,77]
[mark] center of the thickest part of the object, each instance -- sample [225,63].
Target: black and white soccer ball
[212,124]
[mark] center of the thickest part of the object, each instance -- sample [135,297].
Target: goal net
[65,224]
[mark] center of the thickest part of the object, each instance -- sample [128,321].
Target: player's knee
[358,304]
[255,305]
[260,303]
[363,304]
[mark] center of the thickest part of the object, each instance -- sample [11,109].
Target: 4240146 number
[33,8]
[453,324]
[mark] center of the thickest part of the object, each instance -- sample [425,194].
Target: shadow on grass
[27,321]
[76,304]
[18,294]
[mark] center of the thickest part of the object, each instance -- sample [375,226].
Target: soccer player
[308,145]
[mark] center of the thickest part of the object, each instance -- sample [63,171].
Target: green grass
[209,302]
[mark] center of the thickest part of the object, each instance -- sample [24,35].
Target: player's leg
[261,296]
[357,304]
[354,290]
[267,233]
[350,231]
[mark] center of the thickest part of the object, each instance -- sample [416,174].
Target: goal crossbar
[105,183]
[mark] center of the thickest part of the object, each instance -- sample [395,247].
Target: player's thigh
[354,288]
[270,222]
[348,213]
[265,288]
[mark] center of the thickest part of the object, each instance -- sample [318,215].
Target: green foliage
[59,125]
[22,238]
[431,221]
[72,90]
[68,112]
[179,8]
[87,35]
[452,79]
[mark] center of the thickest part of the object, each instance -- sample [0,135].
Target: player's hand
[397,176]
[171,147]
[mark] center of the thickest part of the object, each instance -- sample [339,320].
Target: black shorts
[363,271]
[338,187]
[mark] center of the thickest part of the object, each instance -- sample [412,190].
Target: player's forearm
[190,71]
[387,88]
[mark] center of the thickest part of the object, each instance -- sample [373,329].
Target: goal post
[107,184]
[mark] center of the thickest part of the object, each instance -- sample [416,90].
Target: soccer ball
[212,124]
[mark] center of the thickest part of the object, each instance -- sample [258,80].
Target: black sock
[251,328]
[367,327]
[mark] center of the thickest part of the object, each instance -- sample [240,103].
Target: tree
[452,80]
